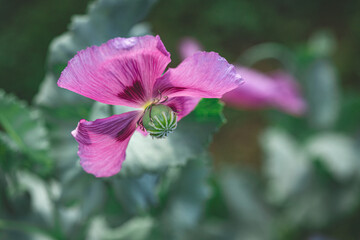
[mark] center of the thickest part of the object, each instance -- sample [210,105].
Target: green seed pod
[159,120]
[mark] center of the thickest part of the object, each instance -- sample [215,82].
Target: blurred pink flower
[129,72]
[278,89]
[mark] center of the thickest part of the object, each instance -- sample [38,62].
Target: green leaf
[52,96]
[321,85]
[349,116]
[22,231]
[185,200]
[286,164]
[83,191]
[99,110]
[244,200]
[136,195]
[208,110]
[337,152]
[61,122]
[94,198]
[26,132]
[138,228]
[295,180]
[41,201]
[108,19]
[15,199]
[322,44]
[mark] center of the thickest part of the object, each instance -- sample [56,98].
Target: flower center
[159,120]
[147,104]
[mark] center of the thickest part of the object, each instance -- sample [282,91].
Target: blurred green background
[273,176]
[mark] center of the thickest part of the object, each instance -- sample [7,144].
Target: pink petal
[182,105]
[256,92]
[103,142]
[189,46]
[261,91]
[119,72]
[203,75]
[288,97]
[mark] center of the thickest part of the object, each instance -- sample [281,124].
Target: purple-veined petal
[203,75]
[103,142]
[119,72]
[260,90]
[189,46]
[182,105]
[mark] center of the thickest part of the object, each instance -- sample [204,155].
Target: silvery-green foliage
[24,133]
[252,219]
[321,85]
[308,175]
[29,210]
[183,194]
[285,164]
[337,152]
[244,212]
[186,200]
[138,228]
[136,194]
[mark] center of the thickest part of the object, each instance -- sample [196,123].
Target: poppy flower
[278,89]
[130,72]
